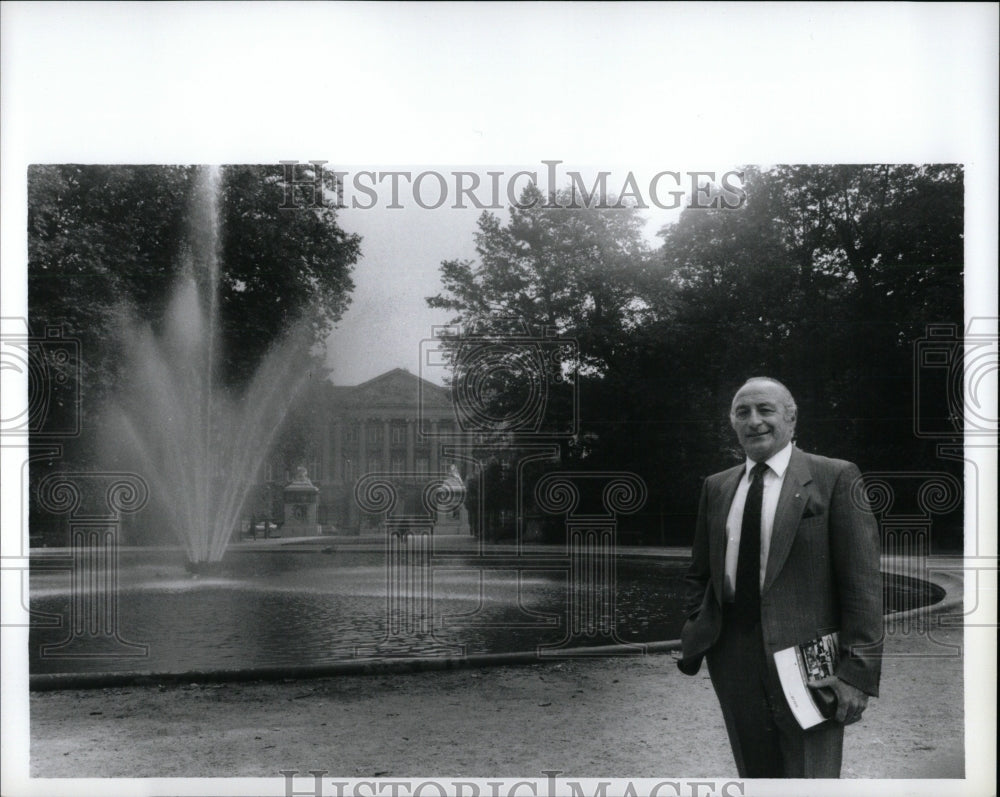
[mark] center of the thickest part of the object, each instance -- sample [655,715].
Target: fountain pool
[288,609]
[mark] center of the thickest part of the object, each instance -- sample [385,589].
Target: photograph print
[492,400]
[528,489]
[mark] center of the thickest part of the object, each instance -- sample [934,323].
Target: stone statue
[457,522]
[301,498]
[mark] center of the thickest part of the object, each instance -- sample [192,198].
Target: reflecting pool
[313,608]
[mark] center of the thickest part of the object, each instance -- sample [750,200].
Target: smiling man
[784,552]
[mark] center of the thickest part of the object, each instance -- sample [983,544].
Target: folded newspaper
[805,664]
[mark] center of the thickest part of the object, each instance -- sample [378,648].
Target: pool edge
[948,578]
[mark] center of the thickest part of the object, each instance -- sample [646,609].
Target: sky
[623,89]
[402,249]
[399,267]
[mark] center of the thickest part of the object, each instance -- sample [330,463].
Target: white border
[680,85]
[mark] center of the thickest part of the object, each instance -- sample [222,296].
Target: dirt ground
[620,717]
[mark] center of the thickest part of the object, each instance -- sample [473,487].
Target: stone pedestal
[301,500]
[457,520]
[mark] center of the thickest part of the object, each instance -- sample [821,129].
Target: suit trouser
[766,738]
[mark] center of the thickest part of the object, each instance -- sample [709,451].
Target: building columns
[362,448]
[410,445]
[324,454]
[434,446]
[386,449]
[338,453]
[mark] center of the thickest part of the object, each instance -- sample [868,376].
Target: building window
[398,434]
[398,464]
[348,470]
[374,433]
[423,465]
[314,470]
[351,433]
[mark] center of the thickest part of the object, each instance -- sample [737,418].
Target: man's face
[761,421]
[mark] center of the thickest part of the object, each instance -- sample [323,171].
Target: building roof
[397,389]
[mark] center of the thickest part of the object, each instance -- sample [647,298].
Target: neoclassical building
[395,423]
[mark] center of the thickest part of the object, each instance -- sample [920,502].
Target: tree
[280,265]
[825,279]
[891,237]
[107,243]
[574,272]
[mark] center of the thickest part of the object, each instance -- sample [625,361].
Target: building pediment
[396,388]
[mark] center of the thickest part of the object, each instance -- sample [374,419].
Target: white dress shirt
[774,477]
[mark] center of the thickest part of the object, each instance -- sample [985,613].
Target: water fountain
[200,448]
[199,445]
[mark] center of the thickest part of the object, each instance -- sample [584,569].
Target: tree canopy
[106,243]
[826,279]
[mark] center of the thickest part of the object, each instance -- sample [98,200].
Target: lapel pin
[796,495]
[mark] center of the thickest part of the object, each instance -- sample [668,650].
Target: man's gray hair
[786,394]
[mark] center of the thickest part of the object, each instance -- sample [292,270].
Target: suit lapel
[791,503]
[718,527]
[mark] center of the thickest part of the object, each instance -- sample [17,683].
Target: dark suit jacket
[822,569]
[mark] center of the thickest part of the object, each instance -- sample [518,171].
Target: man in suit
[808,566]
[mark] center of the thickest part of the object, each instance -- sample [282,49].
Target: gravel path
[624,717]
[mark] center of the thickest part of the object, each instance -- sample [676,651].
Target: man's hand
[851,701]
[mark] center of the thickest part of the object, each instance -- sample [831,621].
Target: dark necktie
[747,603]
